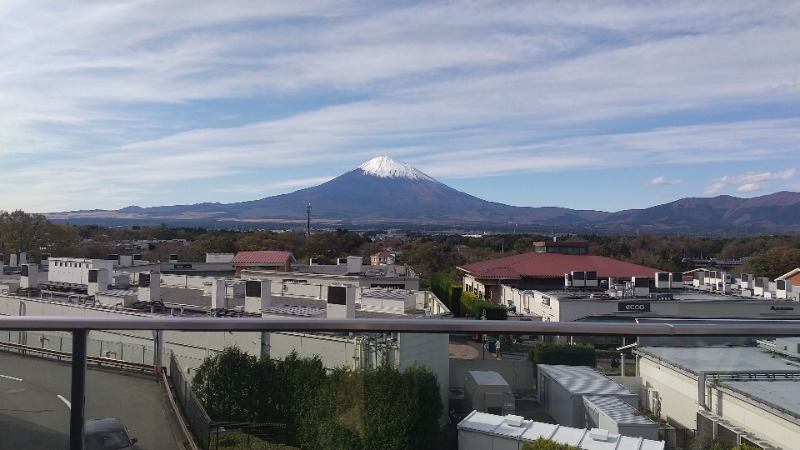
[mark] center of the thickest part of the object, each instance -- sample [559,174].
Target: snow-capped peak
[388,167]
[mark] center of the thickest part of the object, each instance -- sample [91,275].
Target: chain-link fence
[196,417]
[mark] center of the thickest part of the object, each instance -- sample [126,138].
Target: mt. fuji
[384,192]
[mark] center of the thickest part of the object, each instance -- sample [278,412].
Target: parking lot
[35,404]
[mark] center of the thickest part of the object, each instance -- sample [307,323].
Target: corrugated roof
[583,380]
[262,257]
[619,411]
[555,265]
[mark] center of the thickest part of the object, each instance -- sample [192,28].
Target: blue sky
[587,105]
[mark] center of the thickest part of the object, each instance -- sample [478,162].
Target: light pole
[308,220]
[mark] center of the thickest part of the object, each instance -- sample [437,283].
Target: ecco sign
[633,307]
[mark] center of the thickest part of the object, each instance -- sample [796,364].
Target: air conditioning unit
[784,289]
[662,280]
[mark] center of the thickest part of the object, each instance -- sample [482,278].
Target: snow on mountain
[388,167]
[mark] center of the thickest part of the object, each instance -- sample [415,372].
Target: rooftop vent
[598,435]
[513,421]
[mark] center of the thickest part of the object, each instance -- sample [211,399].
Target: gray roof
[617,410]
[778,392]
[488,378]
[699,359]
[582,380]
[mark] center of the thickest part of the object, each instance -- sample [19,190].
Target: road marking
[11,378]
[66,402]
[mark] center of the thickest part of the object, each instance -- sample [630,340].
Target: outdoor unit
[341,301]
[676,280]
[113,257]
[784,290]
[29,276]
[591,279]
[137,259]
[641,286]
[173,258]
[488,392]
[149,287]
[218,294]
[44,257]
[662,280]
[699,279]
[257,295]
[747,281]
[578,279]
[354,264]
[98,281]
[126,260]
[567,280]
[761,285]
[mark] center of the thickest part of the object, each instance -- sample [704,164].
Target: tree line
[769,256]
[346,409]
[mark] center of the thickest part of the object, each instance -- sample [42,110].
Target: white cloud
[749,182]
[182,98]
[662,181]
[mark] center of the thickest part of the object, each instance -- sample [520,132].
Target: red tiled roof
[552,265]
[262,257]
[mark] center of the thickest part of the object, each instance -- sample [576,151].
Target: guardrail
[653,327]
[80,327]
[61,356]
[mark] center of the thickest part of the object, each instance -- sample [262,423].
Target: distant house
[545,269]
[382,258]
[792,275]
[263,260]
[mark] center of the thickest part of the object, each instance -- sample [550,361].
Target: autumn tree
[21,232]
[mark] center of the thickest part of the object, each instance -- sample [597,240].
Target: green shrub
[564,354]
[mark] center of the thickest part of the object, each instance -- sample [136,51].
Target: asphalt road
[35,399]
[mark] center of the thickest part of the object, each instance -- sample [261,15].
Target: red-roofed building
[382,258]
[543,271]
[263,260]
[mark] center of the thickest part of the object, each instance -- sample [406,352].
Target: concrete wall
[758,421]
[677,392]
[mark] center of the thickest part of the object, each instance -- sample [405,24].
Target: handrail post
[78,392]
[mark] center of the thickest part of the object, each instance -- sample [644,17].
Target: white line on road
[11,378]
[66,402]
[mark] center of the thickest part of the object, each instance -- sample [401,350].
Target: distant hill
[385,191]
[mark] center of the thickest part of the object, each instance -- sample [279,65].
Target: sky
[589,105]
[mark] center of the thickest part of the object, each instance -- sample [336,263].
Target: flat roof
[529,430]
[488,378]
[583,380]
[717,358]
[780,392]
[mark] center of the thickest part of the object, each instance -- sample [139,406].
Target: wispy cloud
[662,181]
[185,101]
[749,182]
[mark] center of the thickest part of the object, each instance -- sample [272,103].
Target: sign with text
[633,307]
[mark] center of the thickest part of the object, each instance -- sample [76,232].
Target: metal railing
[79,327]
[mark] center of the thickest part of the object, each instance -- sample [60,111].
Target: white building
[739,394]
[482,431]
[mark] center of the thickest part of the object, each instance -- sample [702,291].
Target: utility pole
[308,220]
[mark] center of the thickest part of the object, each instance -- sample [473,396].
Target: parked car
[107,433]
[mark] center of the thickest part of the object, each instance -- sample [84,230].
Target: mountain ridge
[384,190]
